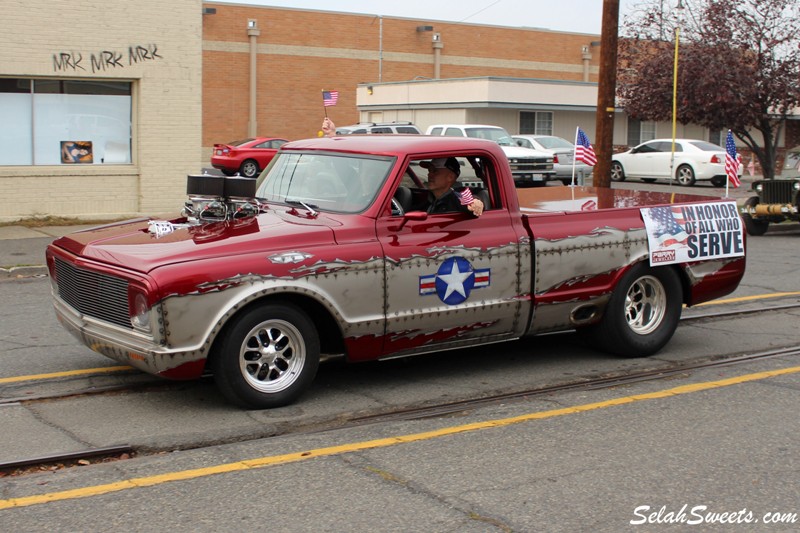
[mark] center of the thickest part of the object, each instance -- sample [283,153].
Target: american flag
[668,228]
[731,161]
[330,98]
[583,149]
[466,197]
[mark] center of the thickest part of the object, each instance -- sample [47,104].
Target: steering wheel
[397,209]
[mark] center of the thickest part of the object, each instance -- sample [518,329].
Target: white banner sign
[693,232]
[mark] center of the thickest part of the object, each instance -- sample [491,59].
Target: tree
[739,67]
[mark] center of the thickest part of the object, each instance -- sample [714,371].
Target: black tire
[641,315]
[718,181]
[685,176]
[249,168]
[268,357]
[228,172]
[617,172]
[754,227]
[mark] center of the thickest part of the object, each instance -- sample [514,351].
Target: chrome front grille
[94,294]
[778,192]
[531,165]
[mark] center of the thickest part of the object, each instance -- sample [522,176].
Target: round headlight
[796,185]
[759,188]
[140,317]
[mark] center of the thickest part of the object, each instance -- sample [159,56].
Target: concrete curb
[28,271]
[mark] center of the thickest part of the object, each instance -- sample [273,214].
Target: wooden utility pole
[606,91]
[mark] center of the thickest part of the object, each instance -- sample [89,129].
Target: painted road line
[272,460]
[749,298]
[66,374]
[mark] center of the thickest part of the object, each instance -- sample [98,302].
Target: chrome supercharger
[215,198]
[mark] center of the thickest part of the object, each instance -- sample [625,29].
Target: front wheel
[754,226]
[267,357]
[641,315]
[685,175]
[617,172]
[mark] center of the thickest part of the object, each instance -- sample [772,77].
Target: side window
[454,132]
[436,131]
[380,129]
[647,148]
[406,129]
[476,178]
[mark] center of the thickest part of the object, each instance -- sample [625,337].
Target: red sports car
[248,157]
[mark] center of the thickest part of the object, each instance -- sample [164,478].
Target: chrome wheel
[645,305]
[272,356]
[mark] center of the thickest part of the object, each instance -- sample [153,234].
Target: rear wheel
[249,168]
[617,172]
[685,175]
[754,226]
[641,315]
[268,357]
[718,181]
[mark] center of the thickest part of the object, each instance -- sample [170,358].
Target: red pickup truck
[330,252]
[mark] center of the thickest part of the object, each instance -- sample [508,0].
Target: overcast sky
[582,16]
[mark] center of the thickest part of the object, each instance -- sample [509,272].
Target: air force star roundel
[454,281]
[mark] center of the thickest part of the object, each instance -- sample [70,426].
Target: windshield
[337,183]
[498,135]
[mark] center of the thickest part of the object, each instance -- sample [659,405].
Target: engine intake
[215,198]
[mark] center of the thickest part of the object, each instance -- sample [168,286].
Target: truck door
[450,278]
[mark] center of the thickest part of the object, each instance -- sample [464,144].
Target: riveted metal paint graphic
[454,281]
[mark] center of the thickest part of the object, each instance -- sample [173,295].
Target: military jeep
[778,200]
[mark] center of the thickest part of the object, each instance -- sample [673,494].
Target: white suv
[529,167]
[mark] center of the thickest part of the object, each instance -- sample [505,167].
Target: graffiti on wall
[104,60]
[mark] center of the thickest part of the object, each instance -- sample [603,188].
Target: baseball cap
[450,163]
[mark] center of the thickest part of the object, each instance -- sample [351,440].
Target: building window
[715,137]
[640,131]
[536,122]
[64,122]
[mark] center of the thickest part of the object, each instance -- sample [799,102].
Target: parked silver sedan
[563,153]
[694,160]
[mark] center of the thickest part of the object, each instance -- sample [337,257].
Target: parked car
[695,160]
[378,127]
[248,157]
[528,166]
[563,153]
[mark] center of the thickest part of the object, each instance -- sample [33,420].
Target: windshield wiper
[310,207]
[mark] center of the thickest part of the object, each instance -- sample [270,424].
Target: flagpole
[727,178]
[574,155]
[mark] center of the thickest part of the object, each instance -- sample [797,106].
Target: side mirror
[412,215]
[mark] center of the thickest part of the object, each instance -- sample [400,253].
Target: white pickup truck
[528,166]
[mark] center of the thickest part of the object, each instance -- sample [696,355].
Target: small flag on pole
[330,98]
[466,197]
[731,161]
[583,149]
